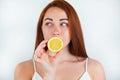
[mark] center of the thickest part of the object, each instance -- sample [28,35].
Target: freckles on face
[55,24]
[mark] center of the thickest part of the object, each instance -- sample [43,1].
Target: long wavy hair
[76,45]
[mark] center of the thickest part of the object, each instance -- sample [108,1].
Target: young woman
[59,19]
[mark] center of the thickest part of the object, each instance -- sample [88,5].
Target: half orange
[55,44]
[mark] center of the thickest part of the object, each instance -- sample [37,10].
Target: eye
[48,24]
[64,24]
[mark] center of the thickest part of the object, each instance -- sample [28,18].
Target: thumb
[57,54]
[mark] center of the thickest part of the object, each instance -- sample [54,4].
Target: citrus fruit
[55,44]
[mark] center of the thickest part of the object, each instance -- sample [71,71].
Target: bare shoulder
[96,70]
[24,71]
[94,63]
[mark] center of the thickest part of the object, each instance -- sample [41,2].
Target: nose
[56,30]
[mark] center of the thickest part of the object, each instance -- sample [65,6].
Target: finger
[37,53]
[40,48]
[43,43]
[36,58]
[57,54]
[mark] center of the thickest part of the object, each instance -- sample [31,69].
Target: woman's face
[55,24]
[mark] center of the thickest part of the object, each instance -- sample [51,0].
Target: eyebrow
[52,19]
[63,19]
[48,19]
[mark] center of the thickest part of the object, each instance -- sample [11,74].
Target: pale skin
[62,66]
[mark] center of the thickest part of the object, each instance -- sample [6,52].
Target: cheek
[45,33]
[66,38]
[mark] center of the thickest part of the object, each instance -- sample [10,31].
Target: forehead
[55,13]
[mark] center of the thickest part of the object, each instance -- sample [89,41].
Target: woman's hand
[46,63]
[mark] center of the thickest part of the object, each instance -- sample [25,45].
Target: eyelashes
[62,24]
[48,24]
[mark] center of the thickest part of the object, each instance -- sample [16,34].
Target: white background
[100,20]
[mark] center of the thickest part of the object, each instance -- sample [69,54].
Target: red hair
[76,45]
